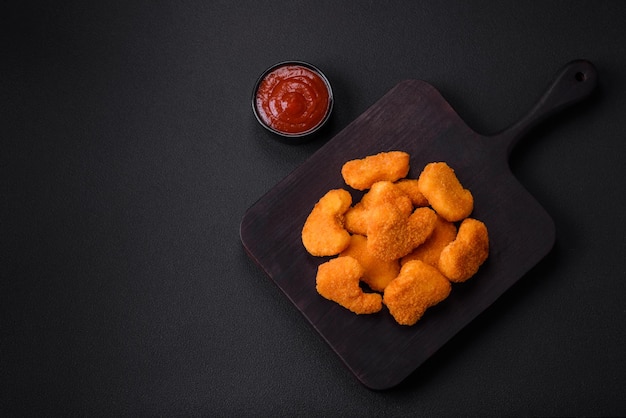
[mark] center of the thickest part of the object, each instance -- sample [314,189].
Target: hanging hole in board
[580,76]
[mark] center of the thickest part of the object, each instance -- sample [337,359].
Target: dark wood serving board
[415,118]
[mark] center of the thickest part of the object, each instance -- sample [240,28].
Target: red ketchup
[293,99]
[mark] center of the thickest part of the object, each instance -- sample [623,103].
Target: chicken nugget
[445,193]
[355,220]
[411,188]
[387,192]
[338,280]
[461,259]
[443,234]
[418,287]
[361,174]
[392,235]
[381,192]
[376,273]
[323,233]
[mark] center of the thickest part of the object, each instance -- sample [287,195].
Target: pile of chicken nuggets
[406,239]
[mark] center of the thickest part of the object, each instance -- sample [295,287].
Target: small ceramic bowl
[292,99]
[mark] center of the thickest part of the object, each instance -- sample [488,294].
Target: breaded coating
[418,287]
[338,280]
[355,220]
[392,235]
[446,195]
[380,192]
[377,273]
[387,192]
[411,188]
[361,174]
[443,234]
[461,259]
[323,233]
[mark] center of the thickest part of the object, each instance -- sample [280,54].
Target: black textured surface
[129,154]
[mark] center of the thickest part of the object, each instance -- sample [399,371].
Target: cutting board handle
[573,83]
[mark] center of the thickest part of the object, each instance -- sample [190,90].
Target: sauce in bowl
[292,99]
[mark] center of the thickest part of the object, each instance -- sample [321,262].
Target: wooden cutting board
[415,118]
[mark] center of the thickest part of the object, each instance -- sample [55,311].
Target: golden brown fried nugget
[461,259]
[361,174]
[439,184]
[387,192]
[418,287]
[392,235]
[323,233]
[338,280]
[377,273]
[380,192]
[355,220]
[443,234]
[411,188]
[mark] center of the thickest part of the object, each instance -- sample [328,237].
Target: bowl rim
[308,66]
